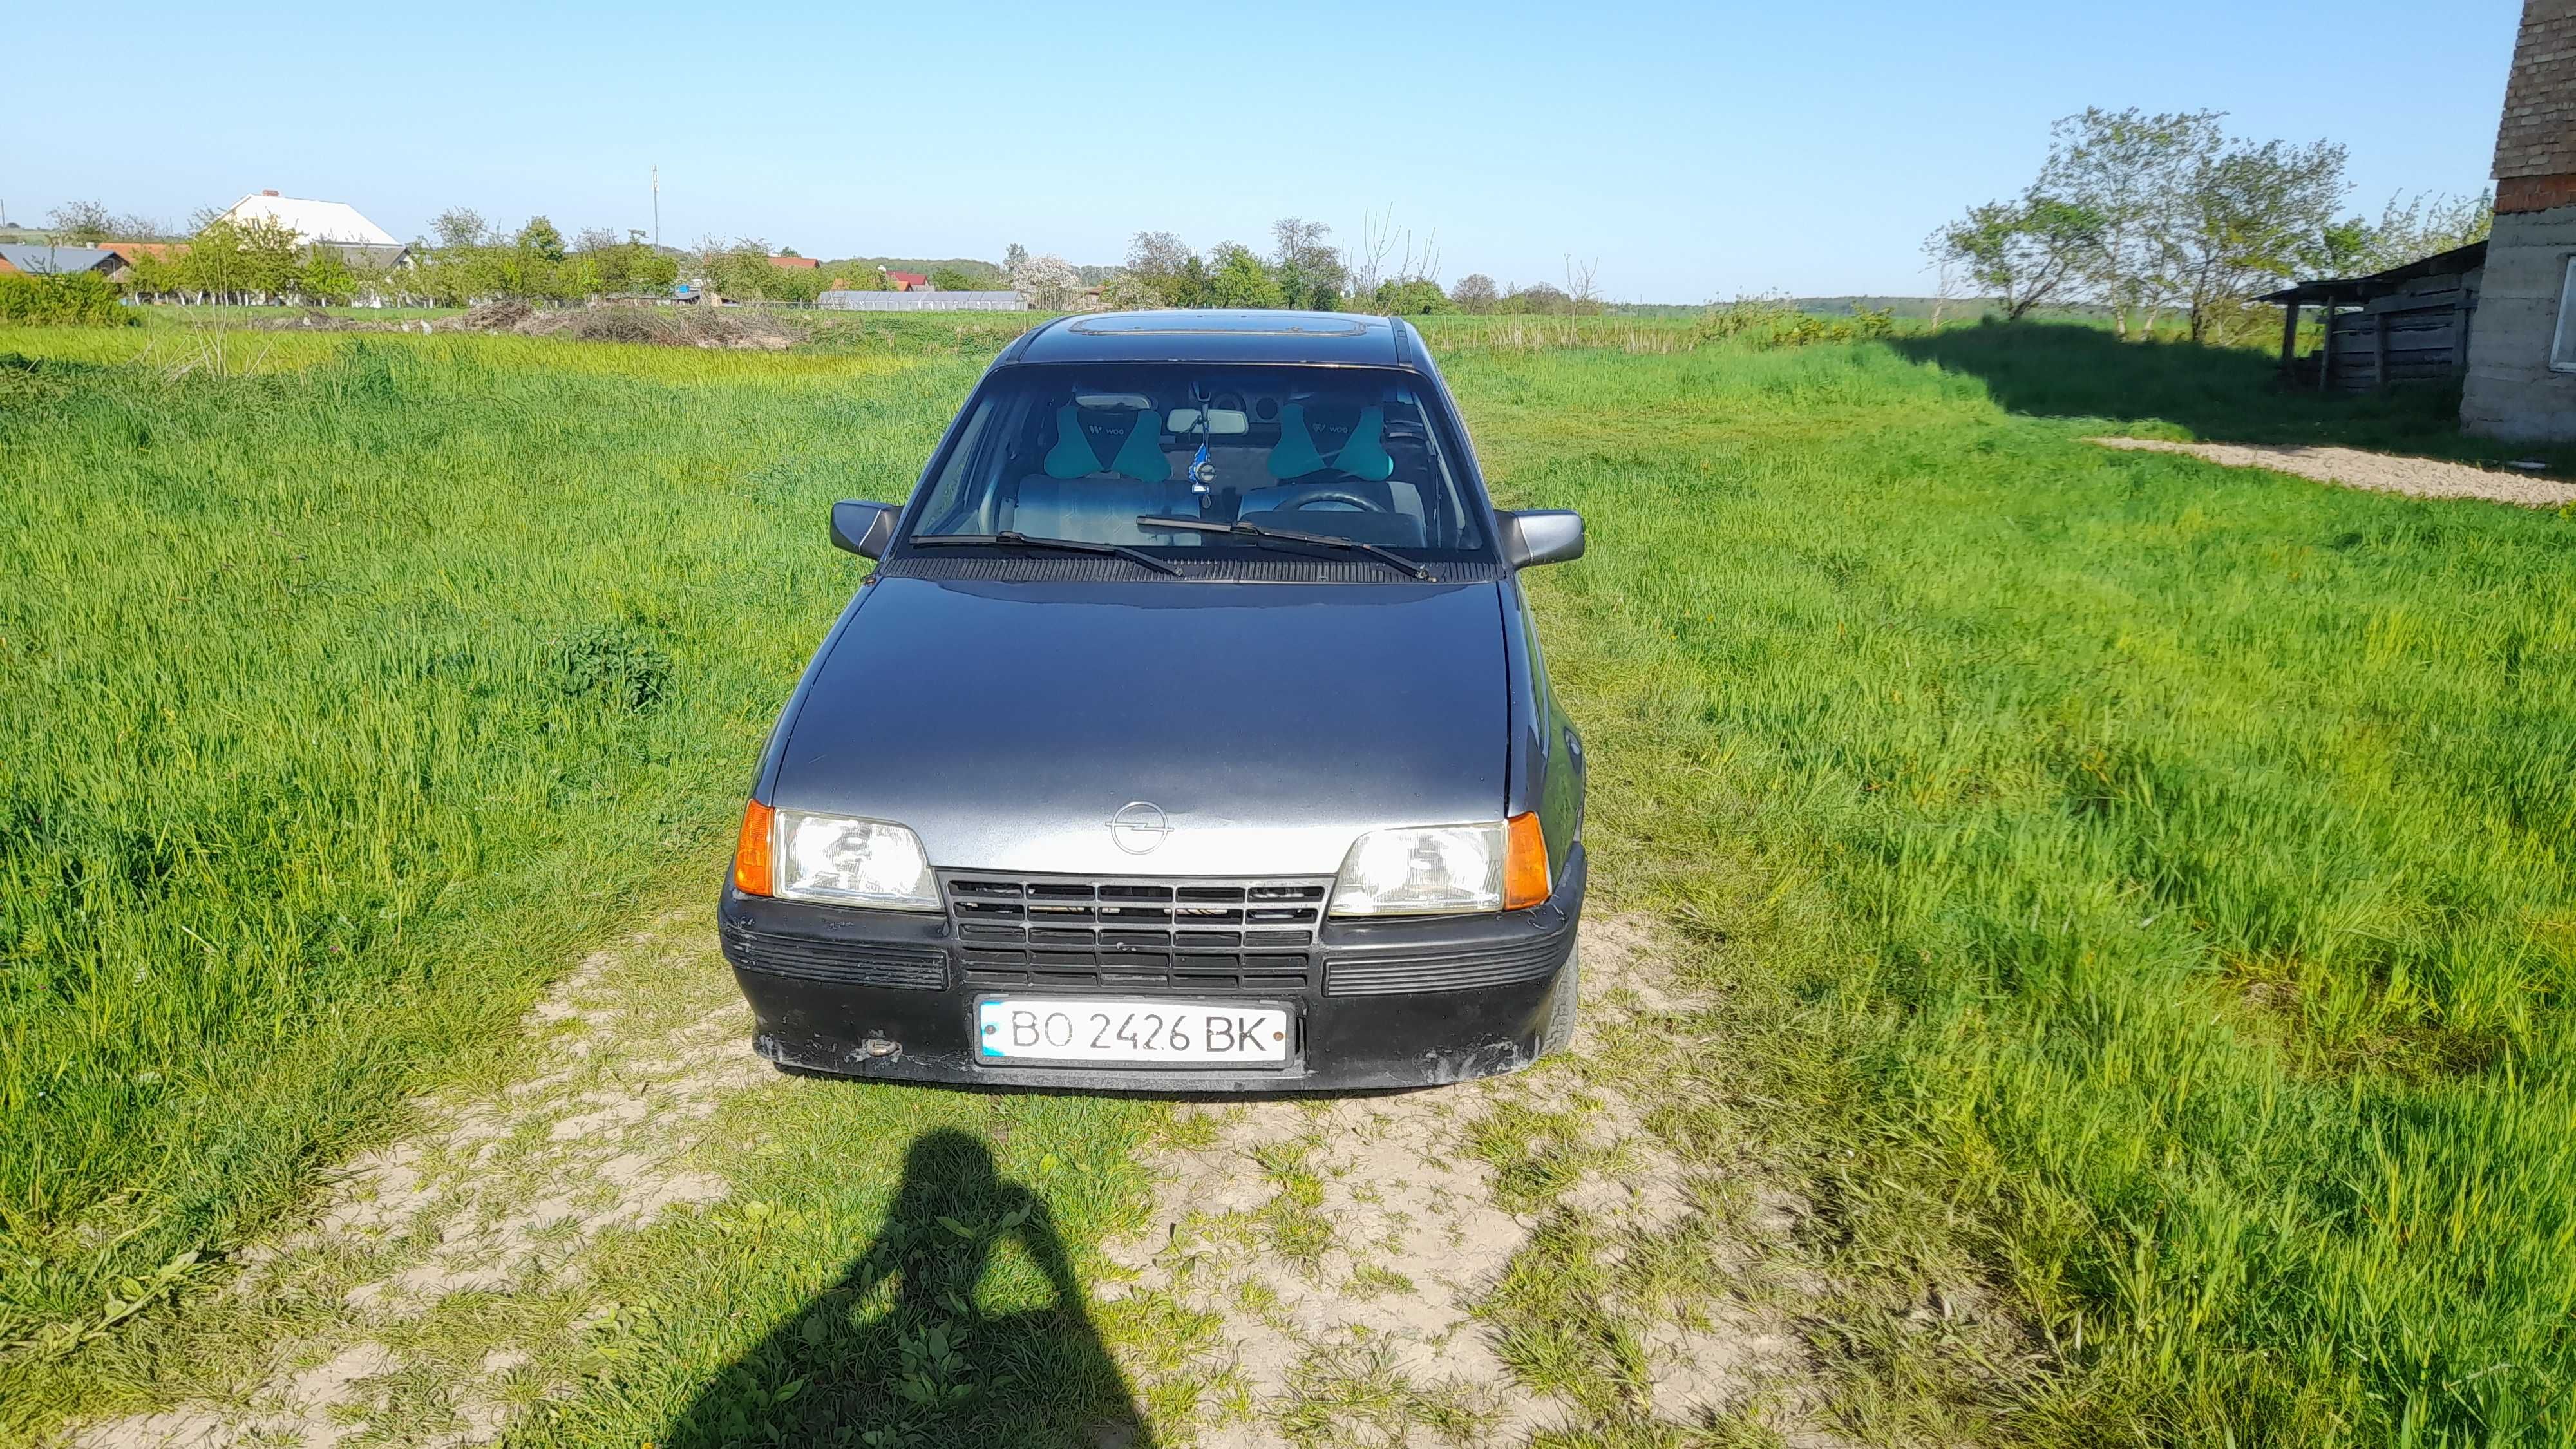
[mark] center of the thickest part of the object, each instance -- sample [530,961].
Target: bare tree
[1377,239]
[1475,292]
[1950,282]
[1580,295]
[80,222]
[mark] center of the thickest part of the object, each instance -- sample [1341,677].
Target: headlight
[1436,870]
[850,862]
[1445,870]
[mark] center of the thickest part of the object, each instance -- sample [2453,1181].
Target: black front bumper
[1395,1003]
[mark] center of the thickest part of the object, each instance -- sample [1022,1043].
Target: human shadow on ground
[931,1367]
[2218,394]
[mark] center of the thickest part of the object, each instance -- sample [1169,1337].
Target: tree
[258,258]
[2142,212]
[1412,298]
[459,226]
[2409,230]
[1539,297]
[325,279]
[944,279]
[2128,171]
[1308,268]
[1379,236]
[1049,282]
[1162,264]
[2022,252]
[82,223]
[1237,277]
[1014,257]
[1127,292]
[1474,293]
[539,236]
[2252,217]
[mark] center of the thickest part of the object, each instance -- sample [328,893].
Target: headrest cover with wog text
[1078,434]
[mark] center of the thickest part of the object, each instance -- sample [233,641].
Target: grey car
[1190,734]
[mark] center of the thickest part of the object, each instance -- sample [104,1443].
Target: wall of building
[2510,391]
[2537,136]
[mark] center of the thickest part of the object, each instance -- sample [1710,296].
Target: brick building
[2522,345]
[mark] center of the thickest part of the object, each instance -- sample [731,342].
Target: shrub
[618,665]
[83,299]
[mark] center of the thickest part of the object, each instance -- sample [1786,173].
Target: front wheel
[1559,1033]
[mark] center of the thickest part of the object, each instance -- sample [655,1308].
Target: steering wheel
[1314,493]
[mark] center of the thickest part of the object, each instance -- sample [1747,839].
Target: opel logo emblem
[1138,827]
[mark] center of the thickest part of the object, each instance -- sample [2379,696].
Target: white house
[313,221]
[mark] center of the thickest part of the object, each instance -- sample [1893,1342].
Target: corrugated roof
[2377,284]
[39,259]
[332,221]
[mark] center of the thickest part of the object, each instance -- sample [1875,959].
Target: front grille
[1444,970]
[1135,932]
[842,963]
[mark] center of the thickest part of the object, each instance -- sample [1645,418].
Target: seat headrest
[1137,436]
[1360,452]
[1364,456]
[1295,457]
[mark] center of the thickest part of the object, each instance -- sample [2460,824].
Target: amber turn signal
[1525,882]
[751,872]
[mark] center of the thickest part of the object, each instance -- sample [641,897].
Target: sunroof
[1266,324]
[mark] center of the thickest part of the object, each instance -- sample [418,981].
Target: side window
[953,503]
[2562,348]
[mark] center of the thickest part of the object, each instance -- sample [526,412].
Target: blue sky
[1696,151]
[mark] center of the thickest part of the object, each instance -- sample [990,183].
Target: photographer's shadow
[932,1368]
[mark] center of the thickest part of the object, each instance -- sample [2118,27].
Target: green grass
[2134,893]
[2140,883]
[345,703]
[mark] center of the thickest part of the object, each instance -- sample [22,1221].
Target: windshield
[1089,454]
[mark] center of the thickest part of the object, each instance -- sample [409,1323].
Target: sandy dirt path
[2378,472]
[1348,1250]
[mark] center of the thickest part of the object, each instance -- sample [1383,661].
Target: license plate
[1081,1029]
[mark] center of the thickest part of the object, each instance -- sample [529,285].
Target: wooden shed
[2406,324]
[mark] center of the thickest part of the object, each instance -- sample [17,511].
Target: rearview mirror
[862,528]
[1221,422]
[1542,536]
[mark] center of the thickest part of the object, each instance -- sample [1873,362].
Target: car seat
[1360,465]
[1076,497]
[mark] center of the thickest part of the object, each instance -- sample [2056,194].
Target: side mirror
[862,528]
[1542,536]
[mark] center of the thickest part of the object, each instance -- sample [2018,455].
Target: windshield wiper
[1385,556]
[1013,538]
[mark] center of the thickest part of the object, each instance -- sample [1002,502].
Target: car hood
[1269,724]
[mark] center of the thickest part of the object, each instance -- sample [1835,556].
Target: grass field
[346,700]
[2135,892]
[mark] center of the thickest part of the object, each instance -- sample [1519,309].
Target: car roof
[1329,338]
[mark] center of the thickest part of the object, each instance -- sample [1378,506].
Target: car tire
[1559,1032]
